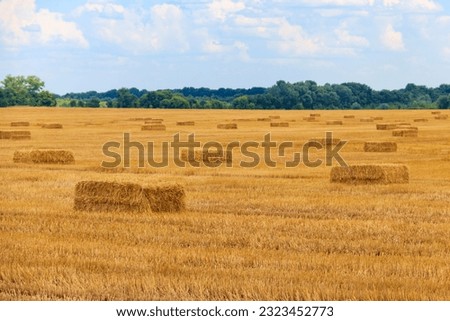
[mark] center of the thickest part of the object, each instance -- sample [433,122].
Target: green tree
[443,102]
[125,98]
[46,98]
[73,103]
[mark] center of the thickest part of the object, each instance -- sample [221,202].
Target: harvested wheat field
[376,230]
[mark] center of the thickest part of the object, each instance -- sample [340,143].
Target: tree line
[22,90]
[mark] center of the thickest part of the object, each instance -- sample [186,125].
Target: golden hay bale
[387,126]
[242,119]
[136,119]
[380,147]
[405,132]
[52,126]
[314,115]
[310,119]
[283,124]
[15,134]
[370,174]
[274,117]
[52,156]
[108,196]
[441,117]
[366,120]
[166,198]
[408,127]
[20,124]
[22,157]
[402,123]
[420,120]
[349,116]
[378,118]
[227,126]
[185,123]
[263,119]
[154,127]
[207,157]
[335,122]
[436,112]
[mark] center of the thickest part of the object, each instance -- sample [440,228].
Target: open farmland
[257,233]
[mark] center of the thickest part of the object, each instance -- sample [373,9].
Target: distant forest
[21,90]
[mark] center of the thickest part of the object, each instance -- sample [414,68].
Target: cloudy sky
[82,45]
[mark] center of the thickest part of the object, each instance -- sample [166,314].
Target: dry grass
[380,147]
[441,117]
[156,127]
[324,141]
[310,119]
[370,174]
[366,120]
[258,233]
[275,117]
[227,126]
[166,198]
[349,116]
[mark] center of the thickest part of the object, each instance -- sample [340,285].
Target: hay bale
[15,134]
[264,119]
[349,116]
[420,120]
[380,147]
[366,120]
[242,119]
[441,117]
[108,196]
[185,123]
[370,174]
[20,124]
[22,157]
[378,118]
[52,156]
[52,126]
[408,127]
[402,123]
[314,115]
[166,198]
[387,126]
[207,157]
[309,119]
[154,127]
[274,117]
[405,132]
[227,126]
[153,121]
[335,122]
[436,112]
[283,124]
[136,119]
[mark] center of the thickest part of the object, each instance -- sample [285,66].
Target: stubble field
[247,233]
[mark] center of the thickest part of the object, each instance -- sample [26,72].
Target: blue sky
[101,44]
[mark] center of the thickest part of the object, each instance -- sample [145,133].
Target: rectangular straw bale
[274,117]
[154,127]
[185,123]
[5,134]
[436,112]
[386,126]
[153,121]
[335,122]
[309,119]
[282,124]
[264,119]
[52,126]
[314,115]
[420,120]
[22,157]
[227,126]
[207,157]
[110,196]
[370,174]
[166,198]
[380,147]
[52,156]
[349,116]
[378,118]
[441,117]
[366,120]
[20,124]
[20,134]
[405,133]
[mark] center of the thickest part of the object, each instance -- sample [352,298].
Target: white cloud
[391,39]
[340,2]
[345,38]
[221,9]
[158,28]
[22,24]
[428,5]
[293,41]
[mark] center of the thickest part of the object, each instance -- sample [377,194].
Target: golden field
[247,233]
